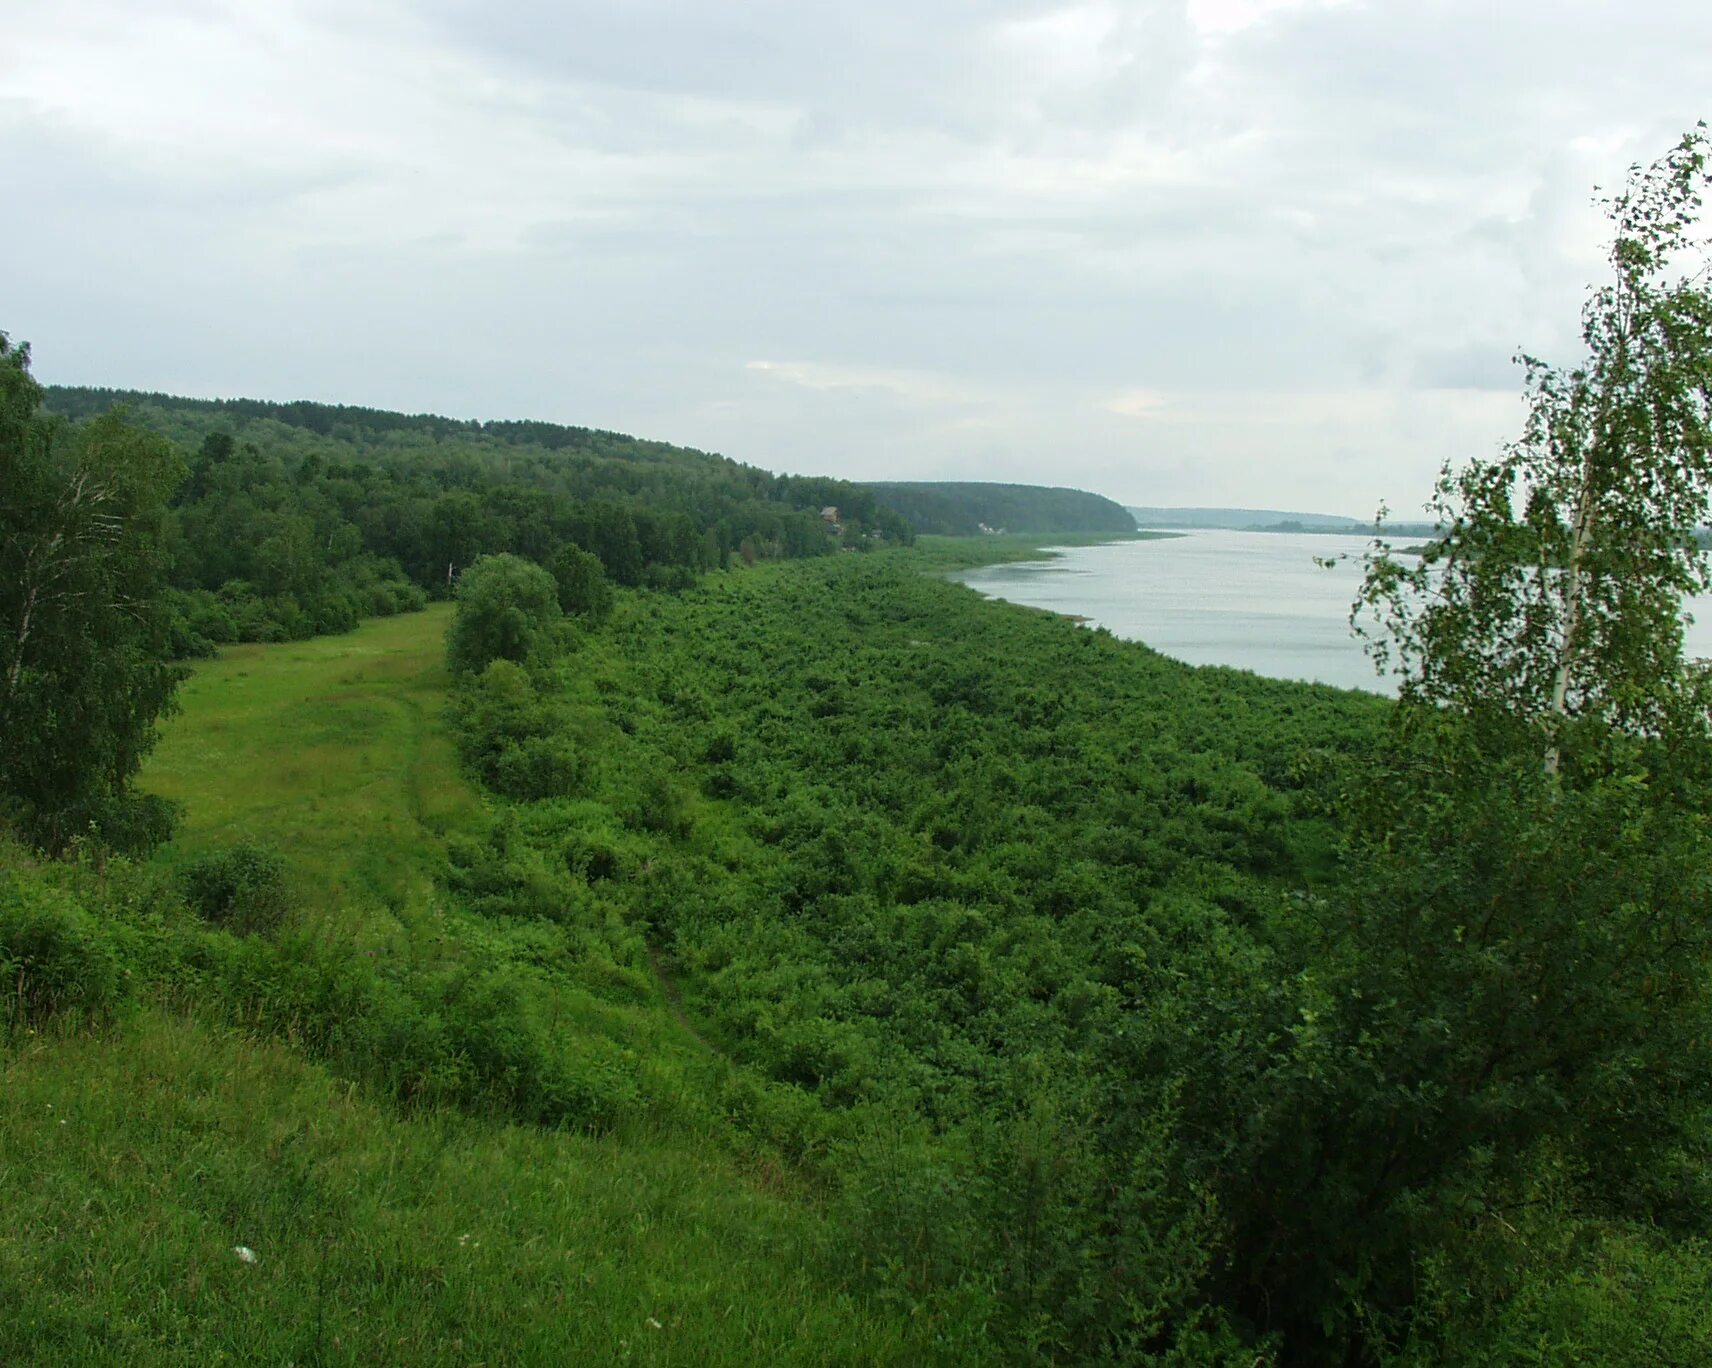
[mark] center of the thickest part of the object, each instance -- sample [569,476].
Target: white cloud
[1218,17]
[1139,404]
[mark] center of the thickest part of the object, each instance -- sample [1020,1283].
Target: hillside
[968,509]
[291,520]
[871,924]
[683,952]
[332,1096]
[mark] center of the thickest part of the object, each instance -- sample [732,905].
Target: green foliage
[1517,951]
[903,848]
[1573,1292]
[508,609]
[242,888]
[510,736]
[300,518]
[610,533]
[84,640]
[1551,608]
[56,961]
[583,590]
[1511,968]
[973,508]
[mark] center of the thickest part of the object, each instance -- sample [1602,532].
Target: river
[1256,600]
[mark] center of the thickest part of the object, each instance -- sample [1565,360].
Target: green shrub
[508,609]
[55,959]
[541,767]
[1559,1289]
[581,580]
[670,578]
[509,736]
[136,823]
[241,889]
[594,854]
[335,611]
[662,807]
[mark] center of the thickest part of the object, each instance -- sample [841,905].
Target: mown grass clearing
[334,752]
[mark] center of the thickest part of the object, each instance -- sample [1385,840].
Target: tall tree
[583,590]
[508,609]
[1513,973]
[84,668]
[1552,602]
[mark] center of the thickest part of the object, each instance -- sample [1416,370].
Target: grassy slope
[334,751]
[131,1164]
[131,1167]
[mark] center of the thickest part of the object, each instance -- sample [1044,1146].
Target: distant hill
[1269,520]
[952,508]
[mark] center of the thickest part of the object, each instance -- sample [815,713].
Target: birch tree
[1509,978]
[84,672]
[1551,605]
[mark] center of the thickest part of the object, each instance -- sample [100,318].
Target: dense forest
[682,944]
[298,518]
[966,509]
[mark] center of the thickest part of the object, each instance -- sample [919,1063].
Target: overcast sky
[1255,252]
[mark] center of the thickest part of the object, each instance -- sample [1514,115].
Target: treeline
[957,509]
[297,519]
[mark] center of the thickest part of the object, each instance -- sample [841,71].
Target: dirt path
[674,998]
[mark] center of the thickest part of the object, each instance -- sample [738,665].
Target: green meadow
[135,1162]
[336,751]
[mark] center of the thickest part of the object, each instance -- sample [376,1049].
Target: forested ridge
[695,947]
[296,518]
[968,508]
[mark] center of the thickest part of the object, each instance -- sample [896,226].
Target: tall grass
[134,1166]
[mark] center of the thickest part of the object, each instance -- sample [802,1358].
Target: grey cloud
[1317,240]
[899,59]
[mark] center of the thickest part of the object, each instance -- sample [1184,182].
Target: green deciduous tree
[1552,602]
[84,669]
[508,609]
[583,590]
[609,531]
[1514,972]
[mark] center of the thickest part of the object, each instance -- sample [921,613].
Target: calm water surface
[1255,600]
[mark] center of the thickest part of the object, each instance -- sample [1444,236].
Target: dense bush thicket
[964,509]
[1124,1042]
